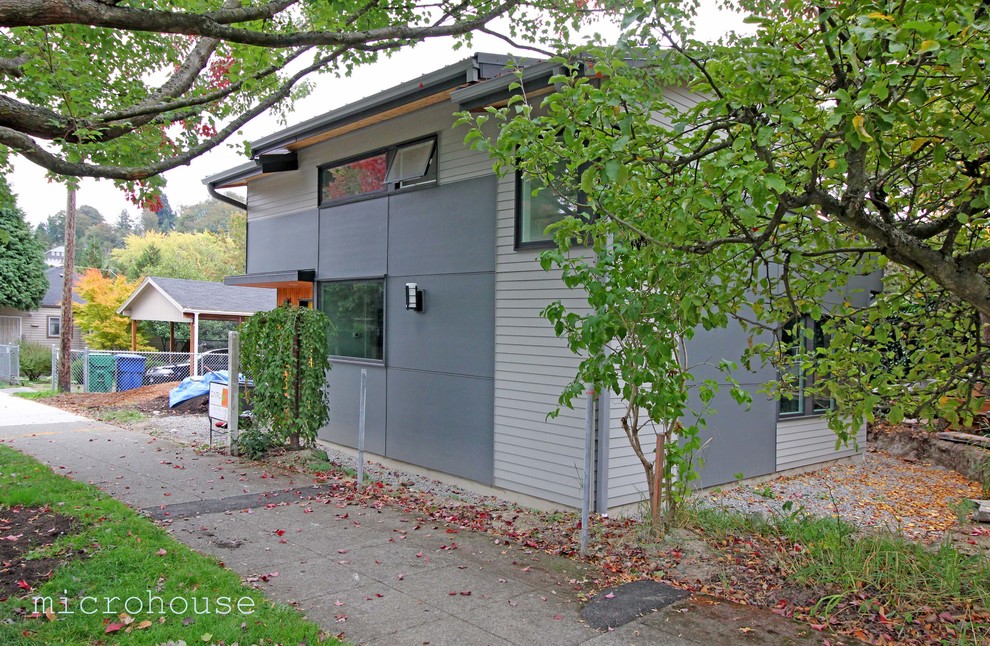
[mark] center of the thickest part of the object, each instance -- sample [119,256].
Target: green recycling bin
[101,366]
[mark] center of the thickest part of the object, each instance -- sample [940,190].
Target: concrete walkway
[373,574]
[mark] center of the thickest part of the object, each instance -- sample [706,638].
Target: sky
[39,198]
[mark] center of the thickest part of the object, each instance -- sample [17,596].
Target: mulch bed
[146,399]
[22,530]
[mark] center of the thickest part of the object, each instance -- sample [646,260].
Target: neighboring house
[425,261]
[55,257]
[44,324]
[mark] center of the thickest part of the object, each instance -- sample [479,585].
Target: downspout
[237,204]
[216,195]
[602,433]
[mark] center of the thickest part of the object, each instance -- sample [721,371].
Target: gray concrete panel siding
[455,332]
[448,229]
[345,402]
[354,239]
[441,421]
[286,242]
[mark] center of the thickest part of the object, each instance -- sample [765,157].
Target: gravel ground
[878,491]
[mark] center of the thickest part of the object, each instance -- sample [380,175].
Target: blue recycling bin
[130,371]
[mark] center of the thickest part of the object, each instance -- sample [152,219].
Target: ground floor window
[54,326]
[357,310]
[800,338]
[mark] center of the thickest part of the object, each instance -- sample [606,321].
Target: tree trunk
[68,275]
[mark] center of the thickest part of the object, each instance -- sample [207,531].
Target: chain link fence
[104,371]
[10,364]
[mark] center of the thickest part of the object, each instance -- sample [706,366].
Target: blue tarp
[197,386]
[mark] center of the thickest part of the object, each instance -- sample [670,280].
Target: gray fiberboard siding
[282,242]
[345,398]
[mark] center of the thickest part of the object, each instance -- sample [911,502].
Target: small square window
[54,326]
[411,162]
[357,310]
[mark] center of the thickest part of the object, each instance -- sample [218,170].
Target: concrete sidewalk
[373,574]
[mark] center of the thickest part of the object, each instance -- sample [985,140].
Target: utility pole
[68,274]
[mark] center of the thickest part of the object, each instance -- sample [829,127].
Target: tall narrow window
[537,207]
[798,345]
[54,326]
[357,310]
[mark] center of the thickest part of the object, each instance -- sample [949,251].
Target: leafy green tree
[174,80]
[783,165]
[285,352]
[52,231]
[208,215]
[198,256]
[23,282]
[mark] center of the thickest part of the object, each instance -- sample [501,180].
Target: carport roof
[207,299]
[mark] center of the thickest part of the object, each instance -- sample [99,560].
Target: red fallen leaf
[419,555]
[283,540]
[342,551]
[338,603]
[23,585]
[466,593]
[12,537]
[112,628]
[558,617]
[279,532]
[162,552]
[818,626]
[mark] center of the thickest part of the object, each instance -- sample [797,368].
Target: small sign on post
[219,410]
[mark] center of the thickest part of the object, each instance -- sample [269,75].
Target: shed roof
[434,86]
[189,297]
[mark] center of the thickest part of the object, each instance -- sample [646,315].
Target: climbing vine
[284,351]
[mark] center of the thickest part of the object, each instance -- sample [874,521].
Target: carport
[179,300]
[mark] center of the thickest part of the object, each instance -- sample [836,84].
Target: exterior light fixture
[414,297]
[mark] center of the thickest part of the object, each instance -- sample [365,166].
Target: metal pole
[361,419]
[589,449]
[233,381]
[85,369]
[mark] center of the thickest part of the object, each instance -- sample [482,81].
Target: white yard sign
[219,402]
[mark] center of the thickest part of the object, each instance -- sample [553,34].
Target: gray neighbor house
[378,214]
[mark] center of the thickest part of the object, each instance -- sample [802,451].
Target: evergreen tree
[23,282]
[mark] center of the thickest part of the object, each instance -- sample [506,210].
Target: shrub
[36,359]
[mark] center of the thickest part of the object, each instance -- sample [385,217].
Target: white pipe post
[589,449]
[233,384]
[361,422]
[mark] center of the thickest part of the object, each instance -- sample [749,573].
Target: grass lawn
[108,557]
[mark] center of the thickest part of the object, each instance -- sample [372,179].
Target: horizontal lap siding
[533,455]
[626,479]
[809,440]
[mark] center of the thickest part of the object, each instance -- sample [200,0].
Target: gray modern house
[378,214]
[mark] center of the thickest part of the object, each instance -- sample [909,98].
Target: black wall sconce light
[414,297]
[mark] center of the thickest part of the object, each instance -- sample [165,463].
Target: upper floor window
[537,207]
[799,344]
[397,167]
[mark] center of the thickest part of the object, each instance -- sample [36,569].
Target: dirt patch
[914,443]
[146,399]
[22,530]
